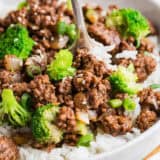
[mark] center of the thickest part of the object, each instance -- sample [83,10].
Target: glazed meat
[106,36]
[86,61]
[66,119]
[43,91]
[146,119]
[144,66]
[115,125]
[8,150]
[84,80]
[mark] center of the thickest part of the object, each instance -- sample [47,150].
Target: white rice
[127,54]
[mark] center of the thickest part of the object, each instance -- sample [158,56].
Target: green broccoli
[128,22]
[26,101]
[11,111]
[123,80]
[43,129]
[15,40]
[61,66]
[22,5]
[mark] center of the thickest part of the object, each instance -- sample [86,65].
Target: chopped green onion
[155,86]
[115,103]
[71,32]
[61,28]
[67,29]
[85,140]
[129,104]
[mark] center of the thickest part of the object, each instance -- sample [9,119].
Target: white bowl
[138,148]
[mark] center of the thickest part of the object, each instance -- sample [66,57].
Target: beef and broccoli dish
[51,97]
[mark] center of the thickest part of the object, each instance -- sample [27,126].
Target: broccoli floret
[61,66]
[128,22]
[26,101]
[43,129]
[123,80]
[16,41]
[22,5]
[11,111]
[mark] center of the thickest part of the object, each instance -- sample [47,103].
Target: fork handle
[79,18]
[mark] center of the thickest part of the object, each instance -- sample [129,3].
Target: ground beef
[42,90]
[146,119]
[19,88]
[105,108]
[123,61]
[66,100]
[104,35]
[157,95]
[66,119]
[65,86]
[7,77]
[150,98]
[97,96]
[147,97]
[126,45]
[115,125]
[81,101]
[8,150]
[84,60]
[144,66]
[84,80]
[146,45]
[71,139]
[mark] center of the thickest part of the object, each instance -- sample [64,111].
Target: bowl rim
[136,140]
